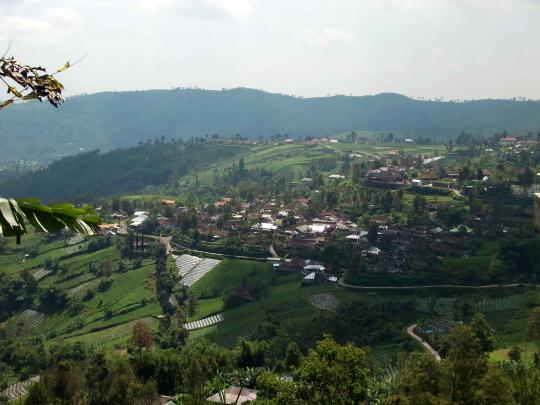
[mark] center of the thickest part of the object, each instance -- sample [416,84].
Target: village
[383,213]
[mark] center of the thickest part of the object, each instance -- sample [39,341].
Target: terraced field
[204,323]
[110,337]
[129,297]
[196,271]
[18,390]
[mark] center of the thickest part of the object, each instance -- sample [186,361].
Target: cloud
[326,35]
[236,9]
[51,26]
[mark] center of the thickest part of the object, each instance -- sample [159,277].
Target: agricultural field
[103,302]
[294,159]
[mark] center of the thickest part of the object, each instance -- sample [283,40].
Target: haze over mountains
[122,119]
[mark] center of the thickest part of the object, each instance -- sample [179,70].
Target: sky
[456,49]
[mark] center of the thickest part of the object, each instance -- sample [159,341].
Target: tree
[527,177]
[495,388]
[419,203]
[333,374]
[418,378]
[484,333]
[373,231]
[533,327]
[465,364]
[142,337]
[292,356]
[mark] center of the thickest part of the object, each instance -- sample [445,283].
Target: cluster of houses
[313,272]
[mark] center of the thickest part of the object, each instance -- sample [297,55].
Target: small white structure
[374,250]
[416,183]
[138,218]
[336,177]
[264,226]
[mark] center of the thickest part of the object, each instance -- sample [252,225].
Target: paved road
[418,287]
[427,346]
[221,255]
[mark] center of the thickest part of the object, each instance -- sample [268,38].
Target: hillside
[111,120]
[117,172]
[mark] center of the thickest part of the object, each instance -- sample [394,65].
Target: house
[264,226]
[108,229]
[336,177]
[360,237]
[138,218]
[234,395]
[393,154]
[289,266]
[313,268]
[378,220]
[508,141]
[223,202]
[289,141]
[314,278]
[429,176]
[168,202]
[416,183]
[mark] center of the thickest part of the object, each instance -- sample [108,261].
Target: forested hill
[111,120]
[122,171]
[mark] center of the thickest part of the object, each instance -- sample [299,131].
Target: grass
[229,274]
[285,302]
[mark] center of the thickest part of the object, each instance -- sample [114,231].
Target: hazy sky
[422,48]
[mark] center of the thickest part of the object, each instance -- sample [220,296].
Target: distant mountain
[107,121]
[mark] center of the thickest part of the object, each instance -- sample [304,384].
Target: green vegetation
[122,119]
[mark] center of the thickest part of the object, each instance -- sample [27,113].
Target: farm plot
[441,306]
[205,266]
[19,390]
[76,281]
[111,336]
[185,263]
[33,318]
[205,322]
[69,250]
[324,301]
[41,273]
[75,290]
[514,302]
[75,240]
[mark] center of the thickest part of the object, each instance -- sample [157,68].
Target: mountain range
[111,120]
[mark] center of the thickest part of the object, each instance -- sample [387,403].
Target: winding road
[427,346]
[417,287]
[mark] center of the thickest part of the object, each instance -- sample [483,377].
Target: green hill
[111,120]
[121,171]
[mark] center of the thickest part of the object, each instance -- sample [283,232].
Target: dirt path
[426,345]
[273,252]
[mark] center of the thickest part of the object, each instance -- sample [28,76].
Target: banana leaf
[54,218]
